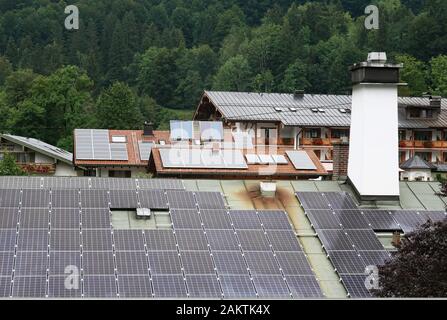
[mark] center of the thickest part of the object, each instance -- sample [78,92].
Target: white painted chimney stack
[373,166]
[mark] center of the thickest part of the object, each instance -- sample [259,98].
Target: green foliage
[117,108]
[9,167]
[438,67]
[234,75]
[415,74]
[5,69]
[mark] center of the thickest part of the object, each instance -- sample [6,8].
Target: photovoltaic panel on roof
[347,262]
[9,218]
[237,287]
[57,288]
[145,149]
[222,240]
[340,200]
[301,160]
[271,287]
[203,286]
[375,258]
[335,240]
[181,130]
[211,130]
[118,151]
[313,200]
[101,145]
[364,239]
[100,286]
[210,200]
[83,144]
[216,219]
[230,262]
[134,286]
[243,140]
[266,159]
[197,262]
[279,159]
[355,285]
[293,263]
[381,220]
[169,286]
[352,219]
[262,263]
[252,159]
[274,220]
[304,287]
[324,219]
[409,220]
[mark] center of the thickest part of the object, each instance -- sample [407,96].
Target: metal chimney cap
[377,57]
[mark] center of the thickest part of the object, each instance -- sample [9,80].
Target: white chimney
[373,166]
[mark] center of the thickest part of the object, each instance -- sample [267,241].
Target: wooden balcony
[315,142]
[38,168]
[423,144]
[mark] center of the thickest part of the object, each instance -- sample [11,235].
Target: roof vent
[279,109]
[314,110]
[148,129]
[298,94]
[377,58]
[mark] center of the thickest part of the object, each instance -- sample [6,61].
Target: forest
[136,60]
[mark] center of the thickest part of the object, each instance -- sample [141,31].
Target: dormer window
[421,113]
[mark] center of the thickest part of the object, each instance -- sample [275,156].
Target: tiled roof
[41,147]
[261,107]
[133,152]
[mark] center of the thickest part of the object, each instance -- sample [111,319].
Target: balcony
[423,144]
[315,142]
[38,168]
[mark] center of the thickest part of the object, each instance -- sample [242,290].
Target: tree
[117,55]
[9,167]
[414,73]
[18,85]
[5,69]
[419,268]
[234,75]
[117,108]
[295,77]
[438,75]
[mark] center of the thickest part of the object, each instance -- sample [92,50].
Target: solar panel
[153,199]
[274,220]
[33,263]
[57,288]
[301,160]
[211,130]
[34,218]
[253,240]
[33,240]
[160,184]
[134,286]
[181,130]
[128,240]
[65,219]
[94,199]
[8,218]
[98,263]
[68,183]
[203,286]
[118,151]
[245,219]
[123,199]
[364,239]
[101,145]
[347,262]
[252,159]
[242,140]
[355,285]
[304,287]
[340,200]
[375,258]
[103,286]
[436,216]
[409,220]
[230,262]
[222,240]
[216,219]
[95,219]
[132,263]
[9,198]
[279,159]
[271,287]
[237,287]
[65,199]
[197,262]
[262,263]
[145,149]
[186,219]
[83,144]
[266,159]
[293,263]
[5,287]
[283,240]
[352,219]
[181,200]
[96,240]
[35,198]
[59,261]
[191,240]
[7,239]
[65,240]
[6,263]
[29,287]
[313,200]
[233,159]
[169,286]
[160,240]
[381,220]
[335,240]
[210,200]
[164,262]
[323,219]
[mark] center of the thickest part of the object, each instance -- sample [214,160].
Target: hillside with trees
[132,60]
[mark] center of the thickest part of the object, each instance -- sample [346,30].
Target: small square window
[119,139]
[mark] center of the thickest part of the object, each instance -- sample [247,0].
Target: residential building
[37,157]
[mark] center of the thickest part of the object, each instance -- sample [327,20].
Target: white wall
[411,175]
[41,158]
[373,151]
[65,170]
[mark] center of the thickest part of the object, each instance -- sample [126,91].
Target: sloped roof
[41,147]
[261,107]
[416,162]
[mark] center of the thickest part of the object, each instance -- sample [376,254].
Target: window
[414,113]
[402,135]
[120,174]
[90,173]
[312,133]
[422,135]
[339,133]
[119,139]
[421,113]
[424,155]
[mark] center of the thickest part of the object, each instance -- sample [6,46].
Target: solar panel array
[347,233]
[301,160]
[60,243]
[94,144]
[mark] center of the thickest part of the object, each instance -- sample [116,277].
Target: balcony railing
[315,142]
[38,168]
[423,144]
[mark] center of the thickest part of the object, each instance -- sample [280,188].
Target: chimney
[340,160]
[373,166]
[148,129]
[435,102]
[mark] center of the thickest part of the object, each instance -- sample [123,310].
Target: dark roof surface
[416,162]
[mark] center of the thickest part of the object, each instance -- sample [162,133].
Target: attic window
[119,139]
[293,109]
[321,110]
[278,109]
[342,110]
[315,110]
